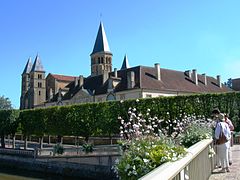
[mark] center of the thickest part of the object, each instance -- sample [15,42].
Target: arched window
[111,97]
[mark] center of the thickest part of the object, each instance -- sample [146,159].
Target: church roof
[125,64]
[101,43]
[37,65]
[28,66]
[63,77]
[145,78]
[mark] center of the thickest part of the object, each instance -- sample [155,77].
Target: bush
[87,148]
[145,154]
[58,149]
[195,133]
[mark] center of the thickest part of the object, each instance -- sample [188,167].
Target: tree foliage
[5,103]
[101,119]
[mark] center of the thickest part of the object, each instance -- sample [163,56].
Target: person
[231,127]
[222,149]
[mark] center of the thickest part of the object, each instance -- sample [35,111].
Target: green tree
[8,124]
[5,103]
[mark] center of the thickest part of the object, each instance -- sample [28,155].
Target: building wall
[236,84]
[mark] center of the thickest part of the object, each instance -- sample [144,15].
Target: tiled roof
[171,81]
[63,77]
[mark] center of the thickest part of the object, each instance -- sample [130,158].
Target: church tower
[37,83]
[101,56]
[24,100]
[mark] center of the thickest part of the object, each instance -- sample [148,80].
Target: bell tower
[24,100]
[101,56]
[37,84]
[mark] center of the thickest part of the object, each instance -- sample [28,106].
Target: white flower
[148,110]
[135,126]
[137,100]
[145,160]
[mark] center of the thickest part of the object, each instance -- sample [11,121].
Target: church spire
[37,65]
[28,66]
[101,56]
[125,64]
[101,43]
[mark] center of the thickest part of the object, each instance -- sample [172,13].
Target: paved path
[234,173]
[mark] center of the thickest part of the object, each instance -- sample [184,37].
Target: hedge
[101,119]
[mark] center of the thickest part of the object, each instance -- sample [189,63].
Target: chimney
[81,80]
[157,71]
[115,72]
[75,81]
[219,81]
[130,79]
[50,94]
[105,76]
[189,74]
[195,76]
[204,79]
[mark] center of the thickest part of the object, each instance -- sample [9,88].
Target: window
[98,60]
[39,93]
[101,60]
[110,97]
[39,76]
[39,84]
[122,96]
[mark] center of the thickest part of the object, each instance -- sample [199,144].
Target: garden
[151,131]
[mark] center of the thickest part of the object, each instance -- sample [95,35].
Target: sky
[180,35]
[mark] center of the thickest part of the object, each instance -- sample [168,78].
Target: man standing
[231,127]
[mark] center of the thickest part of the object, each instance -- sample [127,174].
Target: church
[107,84]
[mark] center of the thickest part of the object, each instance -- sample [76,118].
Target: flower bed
[149,142]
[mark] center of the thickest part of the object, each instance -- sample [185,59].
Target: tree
[5,103]
[8,124]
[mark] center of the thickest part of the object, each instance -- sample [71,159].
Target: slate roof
[125,64]
[37,65]
[101,43]
[28,66]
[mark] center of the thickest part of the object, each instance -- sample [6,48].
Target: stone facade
[103,84]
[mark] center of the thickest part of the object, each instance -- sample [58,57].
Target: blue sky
[180,35]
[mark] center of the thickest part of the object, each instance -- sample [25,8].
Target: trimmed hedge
[102,118]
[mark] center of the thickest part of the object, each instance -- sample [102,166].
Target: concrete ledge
[171,169]
[59,167]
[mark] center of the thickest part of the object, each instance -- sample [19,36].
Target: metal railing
[196,165]
[18,152]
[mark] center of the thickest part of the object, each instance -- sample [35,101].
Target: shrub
[145,154]
[87,148]
[196,132]
[58,149]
